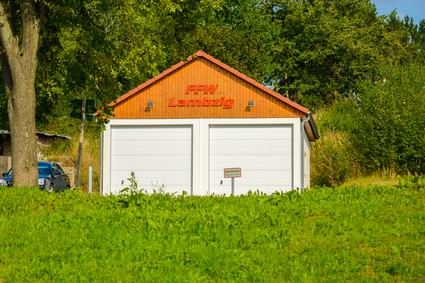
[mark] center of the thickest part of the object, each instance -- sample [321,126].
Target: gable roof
[310,126]
[226,67]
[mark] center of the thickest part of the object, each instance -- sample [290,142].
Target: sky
[412,8]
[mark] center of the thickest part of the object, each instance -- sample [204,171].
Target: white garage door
[160,157]
[263,152]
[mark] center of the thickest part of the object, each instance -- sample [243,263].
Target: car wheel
[48,186]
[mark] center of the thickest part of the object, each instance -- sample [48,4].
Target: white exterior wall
[306,161]
[201,148]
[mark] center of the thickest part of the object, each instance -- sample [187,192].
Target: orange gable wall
[202,72]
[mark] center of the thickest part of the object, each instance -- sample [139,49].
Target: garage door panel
[154,151]
[160,156]
[263,152]
[265,166]
[159,181]
[154,175]
[143,144]
[147,166]
[150,159]
[157,187]
[251,136]
[149,133]
[254,133]
[246,174]
[230,159]
[254,183]
[251,143]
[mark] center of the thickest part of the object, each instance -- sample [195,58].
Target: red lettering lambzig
[205,102]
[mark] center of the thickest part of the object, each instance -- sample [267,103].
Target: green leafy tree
[327,47]
[411,37]
[390,121]
[237,32]
[90,49]
[99,49]
[421,43]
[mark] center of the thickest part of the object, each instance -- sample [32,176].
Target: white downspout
[101,164]
[302,151]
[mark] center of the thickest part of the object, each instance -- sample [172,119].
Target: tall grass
[66,152]
[355,234]
[333,160]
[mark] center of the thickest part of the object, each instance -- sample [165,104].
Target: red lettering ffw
[205,89]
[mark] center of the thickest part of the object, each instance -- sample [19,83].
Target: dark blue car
[51,177]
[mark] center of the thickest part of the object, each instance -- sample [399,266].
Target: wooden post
[80,145]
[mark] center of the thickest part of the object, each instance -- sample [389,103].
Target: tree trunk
[19,65]
[22,129]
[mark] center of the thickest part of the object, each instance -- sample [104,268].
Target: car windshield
[43,171]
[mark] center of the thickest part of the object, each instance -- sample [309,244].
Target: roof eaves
[6,132]
[201,53]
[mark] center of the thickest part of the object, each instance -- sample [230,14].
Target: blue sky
[411,8]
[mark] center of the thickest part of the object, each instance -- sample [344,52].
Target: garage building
[181,130]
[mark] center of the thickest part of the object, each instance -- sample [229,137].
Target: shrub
[390,121]
[333,159]
[412,181]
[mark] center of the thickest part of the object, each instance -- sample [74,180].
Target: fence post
[90,178]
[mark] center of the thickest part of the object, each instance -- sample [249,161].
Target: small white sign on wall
[232,172]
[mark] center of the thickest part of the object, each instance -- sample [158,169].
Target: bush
[390,121]
[333,159]
[412,181]
[333,156]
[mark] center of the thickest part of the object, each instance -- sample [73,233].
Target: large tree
[19,41]
[83,49]
[99,50]
[327,47]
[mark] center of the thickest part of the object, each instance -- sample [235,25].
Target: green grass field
[354,234]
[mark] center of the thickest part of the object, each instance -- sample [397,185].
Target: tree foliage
[327,47]
[100,49]
[311,51]
[390,121]
[238,32]
[97,50]
[316,52]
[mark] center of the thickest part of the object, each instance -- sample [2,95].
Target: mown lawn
[357,234]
